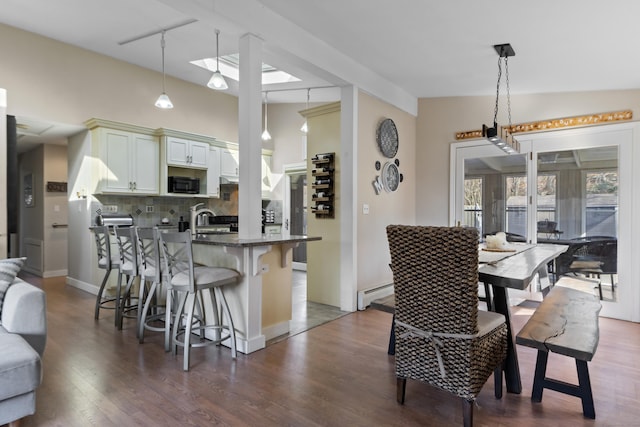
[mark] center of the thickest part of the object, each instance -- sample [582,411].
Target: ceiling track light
[501,137]
[305,126]
[163,100]
[266,136]
[217,81]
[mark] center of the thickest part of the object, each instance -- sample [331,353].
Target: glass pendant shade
[217,81]
[164,102]
[266,136]
[305,126]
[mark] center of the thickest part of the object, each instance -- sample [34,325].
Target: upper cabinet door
[185,153]
[116,157]
[229,163]
[177,151]
[199,152]
[131,162]
[146,164]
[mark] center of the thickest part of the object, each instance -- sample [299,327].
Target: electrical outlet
[149,209]
[110,208]
[365,209]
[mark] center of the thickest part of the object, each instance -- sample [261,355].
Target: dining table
[514,267]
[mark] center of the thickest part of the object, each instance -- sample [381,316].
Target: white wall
[397,207]
[62,83]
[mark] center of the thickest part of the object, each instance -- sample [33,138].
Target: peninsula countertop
[232,239]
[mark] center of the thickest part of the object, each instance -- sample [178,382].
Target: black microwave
[183,184]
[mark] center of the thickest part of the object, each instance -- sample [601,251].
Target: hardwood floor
[337,374]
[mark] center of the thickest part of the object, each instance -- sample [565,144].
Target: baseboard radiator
[367,295]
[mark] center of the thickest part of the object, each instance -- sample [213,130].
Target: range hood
[229,180]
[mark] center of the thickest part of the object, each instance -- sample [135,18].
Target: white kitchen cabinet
[229,164]
[185,153]
[131,162]
[213,173]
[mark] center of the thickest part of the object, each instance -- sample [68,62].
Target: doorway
[295,210]
[567,187]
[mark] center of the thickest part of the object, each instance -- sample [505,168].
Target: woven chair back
[435,275]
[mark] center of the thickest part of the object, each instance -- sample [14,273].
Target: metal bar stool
[189,281]
[128,249]
[108,262]
[150,310]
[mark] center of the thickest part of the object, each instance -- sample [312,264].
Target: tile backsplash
[148,211]
[172,207]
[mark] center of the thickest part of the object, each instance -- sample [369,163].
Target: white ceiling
[398,50]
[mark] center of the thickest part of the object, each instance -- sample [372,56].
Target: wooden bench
[388,304]
[566,322]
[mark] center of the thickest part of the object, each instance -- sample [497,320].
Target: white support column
[250,143]
[349,195]
[4,237]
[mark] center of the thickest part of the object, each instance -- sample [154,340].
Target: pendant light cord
[162,46]
[217,51]
[495,110]
[506,68]
[266,103]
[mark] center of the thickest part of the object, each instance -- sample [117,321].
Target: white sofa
[23,335]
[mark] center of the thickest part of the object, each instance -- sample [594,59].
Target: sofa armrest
[24,312]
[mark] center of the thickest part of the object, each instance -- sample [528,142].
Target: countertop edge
[266,240]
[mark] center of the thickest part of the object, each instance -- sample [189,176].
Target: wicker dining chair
[441,336]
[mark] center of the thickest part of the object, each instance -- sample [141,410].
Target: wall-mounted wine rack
[323,176]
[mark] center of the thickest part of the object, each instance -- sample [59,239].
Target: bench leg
[392,338]
[586,395]
[538,379]
[582,390]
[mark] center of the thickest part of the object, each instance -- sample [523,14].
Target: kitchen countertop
[232,239]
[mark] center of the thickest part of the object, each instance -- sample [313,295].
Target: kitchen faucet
[194,212]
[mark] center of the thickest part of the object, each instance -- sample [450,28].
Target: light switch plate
[365,209]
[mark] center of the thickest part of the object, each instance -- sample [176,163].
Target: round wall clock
[390,177]
[387,138]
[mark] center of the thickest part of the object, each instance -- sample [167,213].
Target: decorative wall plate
[390,177]
[387,138]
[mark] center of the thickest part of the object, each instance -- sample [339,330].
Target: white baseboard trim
[302,266]
[367,295]
[242,345]
[87,287]
[54,273]
[276,330]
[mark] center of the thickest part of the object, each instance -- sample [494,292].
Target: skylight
[230,67]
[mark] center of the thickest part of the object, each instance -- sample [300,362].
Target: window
[515,195]
[473,203]
[601,210]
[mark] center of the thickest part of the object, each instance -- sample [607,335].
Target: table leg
[512,369]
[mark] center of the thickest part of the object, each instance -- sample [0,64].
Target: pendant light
[266,136]
[217,81]
[305,127]
[505,142]
[163,100]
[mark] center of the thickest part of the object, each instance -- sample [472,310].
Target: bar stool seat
[190,284]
